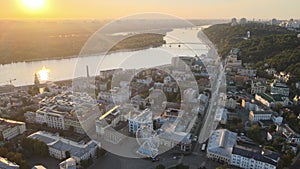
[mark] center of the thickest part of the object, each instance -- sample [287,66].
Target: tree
[100,152]
[277,107]
[35,146]
[286,159]
[272,128]
[68,155]
[254,133]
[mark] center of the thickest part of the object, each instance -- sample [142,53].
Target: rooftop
[266,156]
[53,140]
[221,142]
[4,163]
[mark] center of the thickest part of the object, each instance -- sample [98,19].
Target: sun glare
[43,74]
[33,4]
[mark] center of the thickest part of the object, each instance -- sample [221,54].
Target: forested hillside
[274,45]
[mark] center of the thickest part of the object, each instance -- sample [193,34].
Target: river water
[63,69]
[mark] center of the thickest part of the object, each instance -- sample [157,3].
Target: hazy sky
[109,9]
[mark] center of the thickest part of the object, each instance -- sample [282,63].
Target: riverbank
[129,43]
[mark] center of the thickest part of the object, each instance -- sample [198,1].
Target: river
[63,69]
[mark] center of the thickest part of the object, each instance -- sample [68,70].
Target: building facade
[220,145]
[250,159]
[58,146]
[280,88]
[260,115]
[10,128]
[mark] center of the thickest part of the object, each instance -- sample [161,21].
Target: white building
[135,121]
[50,116]
[69,163]
[260,115]
[220,145]
[250,159]
[58,146]
[10,128]
[221,116]
[38,167]
[5,164]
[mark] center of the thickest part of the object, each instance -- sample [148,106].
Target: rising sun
[33,4]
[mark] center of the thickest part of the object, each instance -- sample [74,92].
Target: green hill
[274,45]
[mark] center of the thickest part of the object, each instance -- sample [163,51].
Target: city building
[10,129]
[243,21]
[258,87]
[230,103]
[246,72]
[274,21]
[38,167]
[52,117]
[221,115]
[297,84]
[249,106]
[252,159]
[109,124]
[271,100]
[255,116]
[69,163]
[280,88]
[233,22]
[7,88]
[182,62]
[138,119]
[290,134]
[233,62]
[179,140]
[5,164]
[220,145]
[58,146]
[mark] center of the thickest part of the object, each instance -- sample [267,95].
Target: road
[208,123]
[111,161]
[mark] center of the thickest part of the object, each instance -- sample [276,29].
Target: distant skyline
[189,9]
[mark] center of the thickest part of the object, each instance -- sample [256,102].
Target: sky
[189,9]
